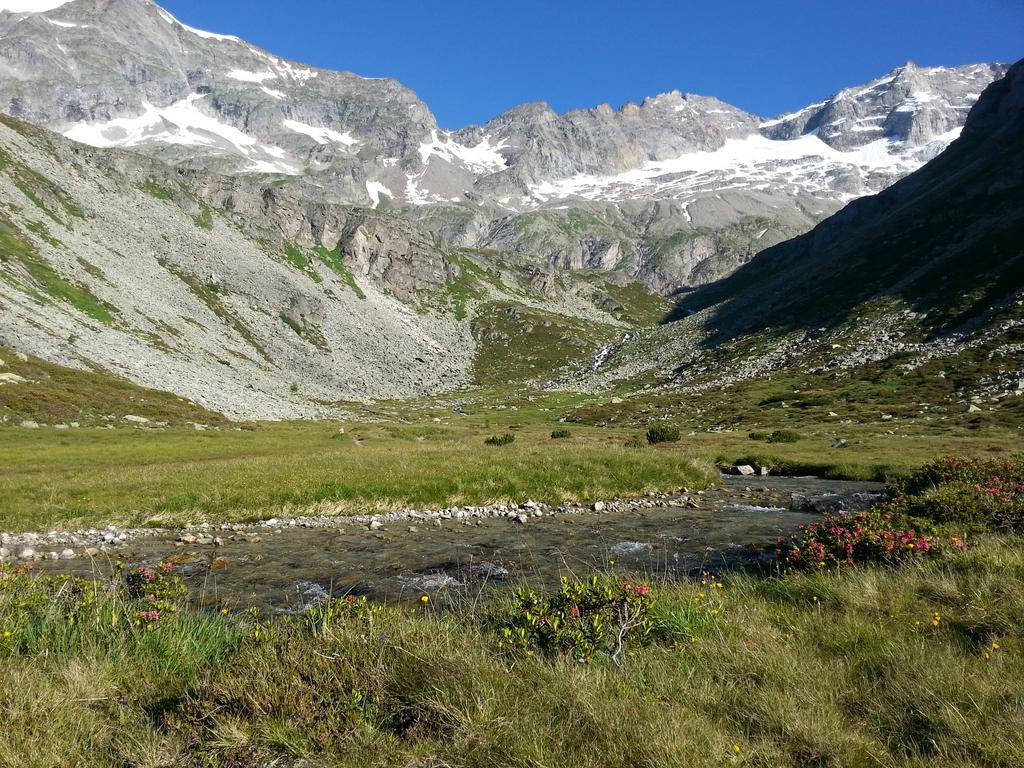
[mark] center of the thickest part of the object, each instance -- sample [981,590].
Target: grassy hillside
[53,394]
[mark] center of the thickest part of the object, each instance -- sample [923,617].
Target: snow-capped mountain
[125,73]
[673,192]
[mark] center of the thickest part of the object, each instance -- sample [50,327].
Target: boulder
[743,469]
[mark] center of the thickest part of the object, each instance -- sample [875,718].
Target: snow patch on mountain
[321,135]
[481,159]
[805,165]
[375,189]
[183,123]
[251,77]
[199,32]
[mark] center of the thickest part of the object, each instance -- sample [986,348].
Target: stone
[972,408]
[29,424]
[765,471]
[11,378]
[743,469]
[598,506]
[27,554]
[375,525]
[67,554]
[136,419]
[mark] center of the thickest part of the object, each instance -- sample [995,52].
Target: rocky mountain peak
[909,104]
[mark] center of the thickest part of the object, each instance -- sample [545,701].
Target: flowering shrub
[136,598]
[155,588]
[582,619]
[866,537]
[978,493]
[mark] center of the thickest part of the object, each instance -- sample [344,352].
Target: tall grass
[843,667]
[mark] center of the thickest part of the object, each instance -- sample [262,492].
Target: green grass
[466,286]
[825,669]
[516,342]
[53,394]
[209,294]
[333,259]
[153,189]
[634,304]
[43,193]
[90,476]
[43,281]
[294,256]
[204,219]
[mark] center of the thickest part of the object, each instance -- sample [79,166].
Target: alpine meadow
[658,435]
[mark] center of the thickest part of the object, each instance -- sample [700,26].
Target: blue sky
[472,60]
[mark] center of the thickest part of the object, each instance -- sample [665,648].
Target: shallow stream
[292,568]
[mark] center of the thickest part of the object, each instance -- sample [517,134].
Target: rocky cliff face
[128,271]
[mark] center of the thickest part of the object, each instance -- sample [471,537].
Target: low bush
[136,599]
[560,434]
[500,440]
[662,433]
[581,620]
[778,436]
[977,494]
[871,537]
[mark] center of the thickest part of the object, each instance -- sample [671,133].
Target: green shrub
[635,442]
[560,434]
[978,494]
[778,436]
[499,440]
[662,433]
[584,618]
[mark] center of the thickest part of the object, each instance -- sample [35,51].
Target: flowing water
[291,569]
